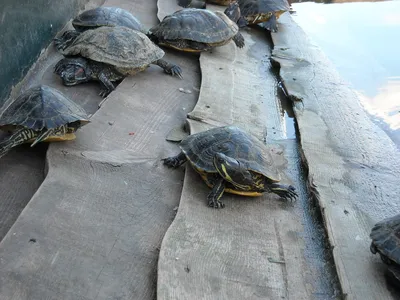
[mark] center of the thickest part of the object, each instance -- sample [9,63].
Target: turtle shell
[106,16]
[121,47]
[42,107]
[385,237]
[232,141]
[256,7]
[219,2]
[199,25]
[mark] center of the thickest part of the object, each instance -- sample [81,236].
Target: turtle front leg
[287,192]
[107,85]
[239,40]
[271,24]
[175,161]
[170,69]
[216,193]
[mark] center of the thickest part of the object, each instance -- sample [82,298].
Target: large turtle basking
[108,54]
[40,114]
[230,160]
[266,12]
[196,30]
[98,17]
[385,237]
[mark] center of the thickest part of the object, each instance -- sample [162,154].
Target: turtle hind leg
[175,161]
[271,24]
[287,192]
[239,40]
[169,68]
[242,22]
[66,39]
[216,194]
[17,138]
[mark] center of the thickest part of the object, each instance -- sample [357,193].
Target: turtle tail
[287,192]
[19,137]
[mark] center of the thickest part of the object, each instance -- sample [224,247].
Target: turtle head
[233,11]
[233,171]
[73,71]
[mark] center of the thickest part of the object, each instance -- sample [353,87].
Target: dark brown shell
[106,16]
[255,7]
[199,25]
[200,149]
[121,47]
[42,107]
[385,237]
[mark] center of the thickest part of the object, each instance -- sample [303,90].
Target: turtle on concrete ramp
[228,159]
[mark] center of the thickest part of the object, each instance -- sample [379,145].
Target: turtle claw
[104,93]
[215,203]
[286,192]
[175,71]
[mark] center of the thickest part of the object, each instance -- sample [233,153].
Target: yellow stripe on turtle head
[227,177]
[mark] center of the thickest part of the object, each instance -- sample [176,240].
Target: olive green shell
[385,237]
[42,107]
[232,141]
[199,25]
[120,47]
[255,7]
[106,16]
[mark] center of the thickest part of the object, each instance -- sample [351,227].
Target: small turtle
[196,30]
[108,54]
[385,237]
[262,11]
[40,114]
[230,160]
[98,17]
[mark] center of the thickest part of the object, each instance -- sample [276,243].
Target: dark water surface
[362,39]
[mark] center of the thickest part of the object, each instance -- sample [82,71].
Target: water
[362,41]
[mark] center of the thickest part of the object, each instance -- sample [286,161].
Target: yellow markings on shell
[181,49]
[244,193]
[56,138]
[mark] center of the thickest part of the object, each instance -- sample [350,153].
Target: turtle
[385,236]
[196,30]
[109,16]
[266,12]
[108,54]
[41,113]
[229,159]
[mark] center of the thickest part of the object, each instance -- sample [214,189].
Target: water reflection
[361,39]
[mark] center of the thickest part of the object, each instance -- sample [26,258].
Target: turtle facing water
[230,160]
